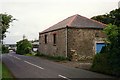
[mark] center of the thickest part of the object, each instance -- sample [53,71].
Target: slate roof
[76,21]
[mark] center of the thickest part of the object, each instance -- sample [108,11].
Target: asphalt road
[34,67]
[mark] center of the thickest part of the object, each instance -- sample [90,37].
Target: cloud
[36,15]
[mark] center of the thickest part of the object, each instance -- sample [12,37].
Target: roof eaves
[53,30]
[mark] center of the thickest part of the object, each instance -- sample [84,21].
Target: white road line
[26,62]
[9,55]
[64,77]
[16,57]
[34,65]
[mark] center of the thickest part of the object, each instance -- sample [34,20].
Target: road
[34,67]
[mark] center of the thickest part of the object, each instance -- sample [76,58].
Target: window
[99,47]
[45,39]
[54,39]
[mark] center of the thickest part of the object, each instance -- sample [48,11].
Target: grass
[31,54]
[28,54]
[54,58]
[4,71]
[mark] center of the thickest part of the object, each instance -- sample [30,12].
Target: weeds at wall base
[54,58]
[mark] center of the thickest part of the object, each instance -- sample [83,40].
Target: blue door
[99,47]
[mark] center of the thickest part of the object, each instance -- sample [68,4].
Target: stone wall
[82,42]
[58,49]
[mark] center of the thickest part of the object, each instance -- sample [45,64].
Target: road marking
[64,77]
[16,57]
[34,65]
[9,55]
[27,62]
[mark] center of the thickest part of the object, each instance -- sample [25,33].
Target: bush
[108,60]
[5,49]
[101,63]
[24,47]
[106,63]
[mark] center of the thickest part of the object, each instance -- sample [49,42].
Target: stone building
[74,35]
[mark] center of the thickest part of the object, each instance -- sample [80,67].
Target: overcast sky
[34,16]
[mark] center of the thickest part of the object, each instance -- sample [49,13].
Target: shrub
[106,63]
[24,47]
[108,60]
[5,49]
[101,63]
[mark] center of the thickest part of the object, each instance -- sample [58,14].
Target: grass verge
[53,58]
[4,71]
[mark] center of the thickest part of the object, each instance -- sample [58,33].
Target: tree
[108,61]
[113,17]
[112,32]
[113,36]
[4,49]
[24,47]
[5,21]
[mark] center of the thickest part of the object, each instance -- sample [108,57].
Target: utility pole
[119,4]
[1,39]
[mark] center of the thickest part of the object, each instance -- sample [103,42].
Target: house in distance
[74,35]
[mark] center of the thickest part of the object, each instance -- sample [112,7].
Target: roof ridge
[74,17]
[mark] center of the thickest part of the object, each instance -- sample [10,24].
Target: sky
[34,16]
